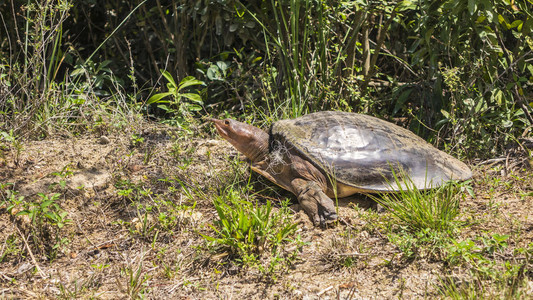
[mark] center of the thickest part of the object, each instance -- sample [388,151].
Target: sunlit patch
[339,138]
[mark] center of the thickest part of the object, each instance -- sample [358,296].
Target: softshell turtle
[330,153]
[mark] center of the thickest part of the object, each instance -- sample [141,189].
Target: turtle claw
[325,218]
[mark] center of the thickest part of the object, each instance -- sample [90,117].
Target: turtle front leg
[319,207]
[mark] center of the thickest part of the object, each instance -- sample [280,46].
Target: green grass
[423,221]
[246,229]
[253,234]
[434,209]
[498,281]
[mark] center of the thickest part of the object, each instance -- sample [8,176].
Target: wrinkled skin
[291,171]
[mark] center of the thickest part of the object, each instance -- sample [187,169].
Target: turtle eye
[226,122]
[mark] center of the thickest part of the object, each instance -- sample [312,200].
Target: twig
[31,253]
[492,160]
[353,254]
[324,290]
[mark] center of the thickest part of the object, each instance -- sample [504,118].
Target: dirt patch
[111,239]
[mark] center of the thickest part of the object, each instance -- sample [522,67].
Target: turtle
[328,154]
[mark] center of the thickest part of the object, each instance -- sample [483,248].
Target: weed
[435,209]
[468,252]
[10,248]
[100,267]
[154,212]
[183,156]
[10,198]
[143,224]
[63,175]
[47,219]
[248,231]
[15,143]
[505,282]
[171,264]
[136,280]
[136,140]
[422,243]
[488,278]
[425,220]
[128,190]
[173,215]
[75,289]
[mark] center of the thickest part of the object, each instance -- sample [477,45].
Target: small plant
[425,219]
[74,290]
[247,230]
[420,243]
[136,284]
[10,199]
[11,248]
[136,140]
[468,252]
[63,175]
[100,267]
[504,281]
[15,143]
[173,215]
[183,156]
[181,104]
[129,190]
[465,252]
[47,219]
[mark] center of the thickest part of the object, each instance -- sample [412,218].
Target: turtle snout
[221,127]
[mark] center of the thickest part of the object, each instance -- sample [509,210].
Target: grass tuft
[246,229]
[434,209]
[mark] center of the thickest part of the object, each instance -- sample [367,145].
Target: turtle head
[249,140]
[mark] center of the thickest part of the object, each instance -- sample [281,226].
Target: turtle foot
[319,207]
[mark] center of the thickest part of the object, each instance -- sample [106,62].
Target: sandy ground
[106,246]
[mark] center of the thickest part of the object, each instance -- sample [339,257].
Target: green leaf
[497,96]
[401,100]
[517,23]
[189,81]
[503,20]
[445,113]
[527,26]
[46,203]
[507,123]
[500,237]
[472,7]
[193,97]
[213,73]
[193,107]
[223,65]
[105,63]
[157,97]
[530,68]
[23,213]
[76,72]
[169,77]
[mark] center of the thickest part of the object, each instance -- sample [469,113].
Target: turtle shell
[366,153]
